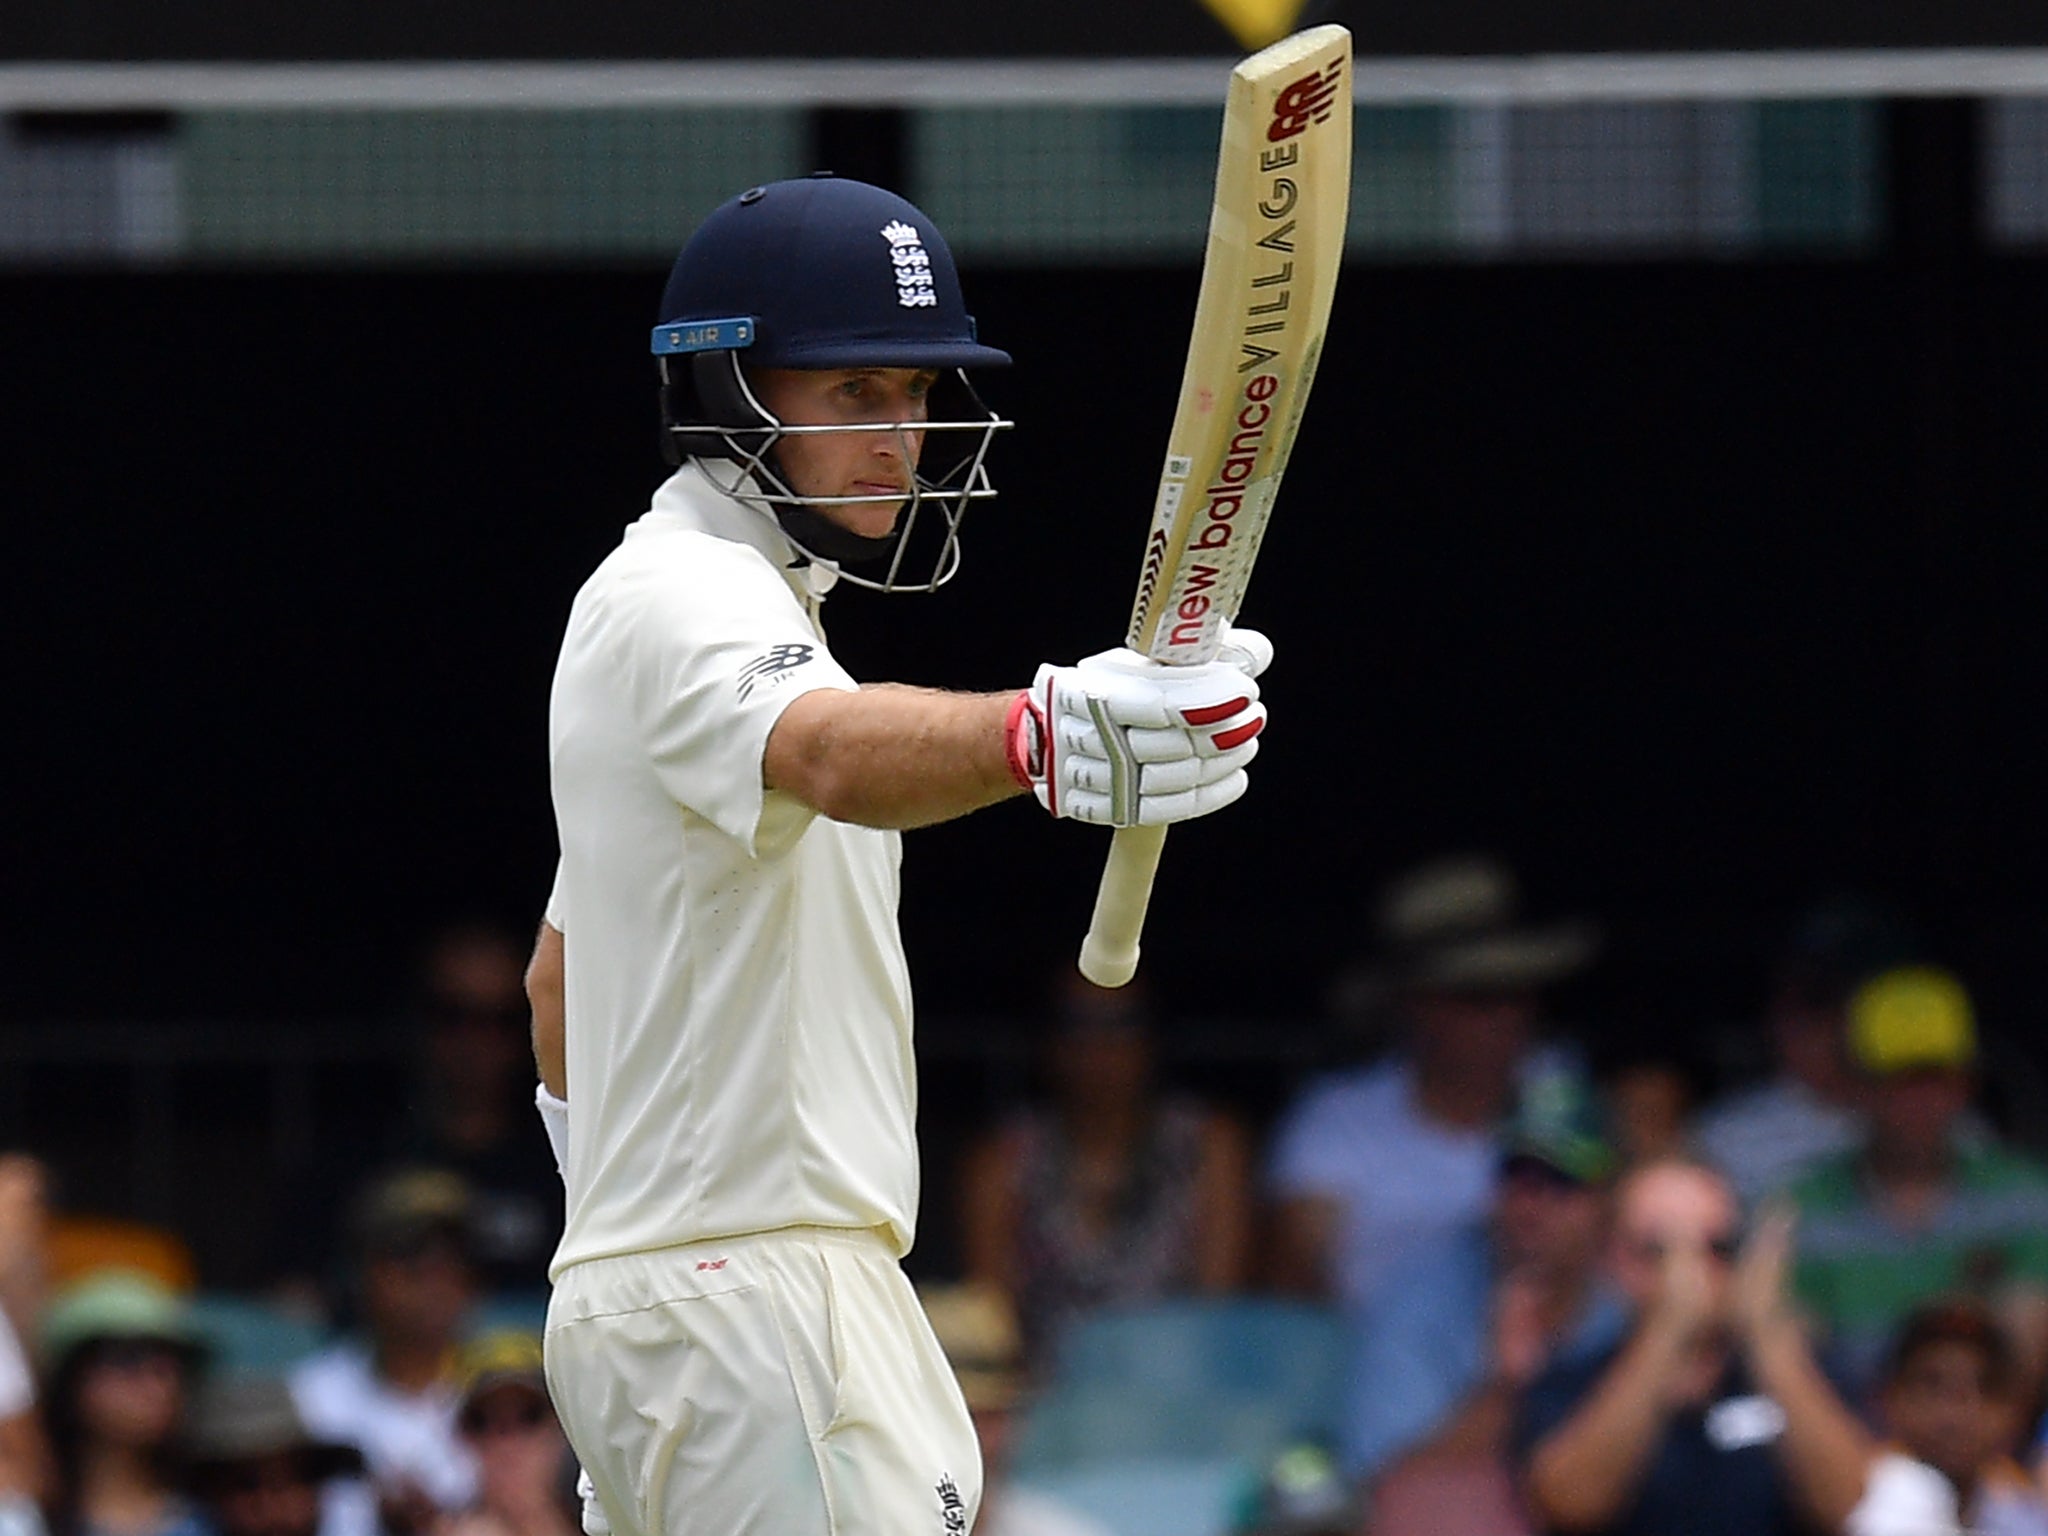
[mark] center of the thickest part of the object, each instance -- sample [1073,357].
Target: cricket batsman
[732,1345]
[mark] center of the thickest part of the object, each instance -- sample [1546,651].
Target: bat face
[1276,240]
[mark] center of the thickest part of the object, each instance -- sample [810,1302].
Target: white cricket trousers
[778,1384]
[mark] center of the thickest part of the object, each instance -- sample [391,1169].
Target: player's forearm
[892,756]
[1583,1473]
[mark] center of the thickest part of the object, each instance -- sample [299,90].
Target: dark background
[696,29]
[1696,589]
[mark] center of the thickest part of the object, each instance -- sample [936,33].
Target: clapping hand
[1760,1300]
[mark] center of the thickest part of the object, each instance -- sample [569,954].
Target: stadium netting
[1081,164]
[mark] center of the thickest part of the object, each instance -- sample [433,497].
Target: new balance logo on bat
[772,664]
[1307,100]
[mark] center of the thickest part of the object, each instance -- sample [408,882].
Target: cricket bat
[1276,240]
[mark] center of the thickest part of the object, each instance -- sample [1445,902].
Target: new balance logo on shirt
[952,1508]
[772,664]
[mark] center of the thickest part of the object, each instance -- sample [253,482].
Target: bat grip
[1109,955]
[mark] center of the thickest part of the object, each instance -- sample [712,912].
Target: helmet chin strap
[816,535]
[722,389]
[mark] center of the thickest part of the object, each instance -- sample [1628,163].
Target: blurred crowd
[1581,1286]
[1567,1284]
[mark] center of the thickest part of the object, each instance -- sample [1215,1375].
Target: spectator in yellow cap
[1919,1210]
[526,1478]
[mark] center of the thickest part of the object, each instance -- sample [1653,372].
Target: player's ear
[671,414]
[707,391]
[725,391]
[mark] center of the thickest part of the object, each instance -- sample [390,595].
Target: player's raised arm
[1116,740]
[892,756]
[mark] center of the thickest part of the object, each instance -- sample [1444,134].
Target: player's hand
[1120,740]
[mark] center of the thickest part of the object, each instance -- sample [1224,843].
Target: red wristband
[1023,739]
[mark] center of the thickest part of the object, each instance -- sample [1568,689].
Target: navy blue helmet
[825,273]
[834,274]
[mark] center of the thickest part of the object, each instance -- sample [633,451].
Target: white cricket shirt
[739,1049]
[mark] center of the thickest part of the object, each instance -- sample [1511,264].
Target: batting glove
[1120,740]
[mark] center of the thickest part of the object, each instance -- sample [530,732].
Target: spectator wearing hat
[1372,1165]
[1920,1210]
[1454,1336]
[391,1390]
[120,1355]
[255,1467]
[977,1328]
[1951,1405]
[1114,1189]
[526,1476]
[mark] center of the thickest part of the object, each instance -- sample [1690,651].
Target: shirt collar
[690,498]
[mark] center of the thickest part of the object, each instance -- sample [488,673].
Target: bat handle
[1109,955]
